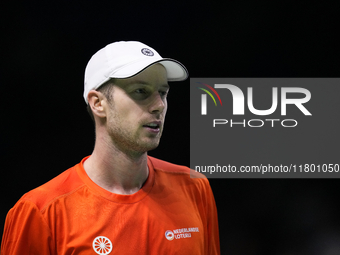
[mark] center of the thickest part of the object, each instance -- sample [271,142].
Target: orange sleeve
[212,238]
[26,231]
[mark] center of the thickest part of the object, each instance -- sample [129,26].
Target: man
[119,200]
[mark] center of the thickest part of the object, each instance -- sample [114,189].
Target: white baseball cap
[125,59]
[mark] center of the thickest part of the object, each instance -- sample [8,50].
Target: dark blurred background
[45,129]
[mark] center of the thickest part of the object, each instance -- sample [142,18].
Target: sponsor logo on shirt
[169,235]
[102,245]
[180,233]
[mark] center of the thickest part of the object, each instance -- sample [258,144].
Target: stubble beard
[129,140]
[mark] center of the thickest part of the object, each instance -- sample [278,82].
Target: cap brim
[175,70]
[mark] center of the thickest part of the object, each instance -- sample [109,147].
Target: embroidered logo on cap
[102,245]
[147,52]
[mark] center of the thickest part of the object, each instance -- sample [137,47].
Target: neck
[116,171]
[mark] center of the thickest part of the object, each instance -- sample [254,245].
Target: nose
[157,104]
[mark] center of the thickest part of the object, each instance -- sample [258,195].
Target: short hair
[106,90]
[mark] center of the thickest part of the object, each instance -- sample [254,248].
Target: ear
[96,101]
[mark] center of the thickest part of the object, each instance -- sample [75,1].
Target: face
[136,113]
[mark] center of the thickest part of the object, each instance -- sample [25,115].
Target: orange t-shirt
[171,214]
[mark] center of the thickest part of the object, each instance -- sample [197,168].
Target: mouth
[153,126]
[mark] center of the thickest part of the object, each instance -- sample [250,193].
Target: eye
[164,93]
[140,91]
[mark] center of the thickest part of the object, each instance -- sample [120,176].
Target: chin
[151,146]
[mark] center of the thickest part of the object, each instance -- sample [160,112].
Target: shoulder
[181,173]
[183,180]
[161,165]
[62,185]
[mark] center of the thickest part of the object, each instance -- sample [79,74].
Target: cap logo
[147,52]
